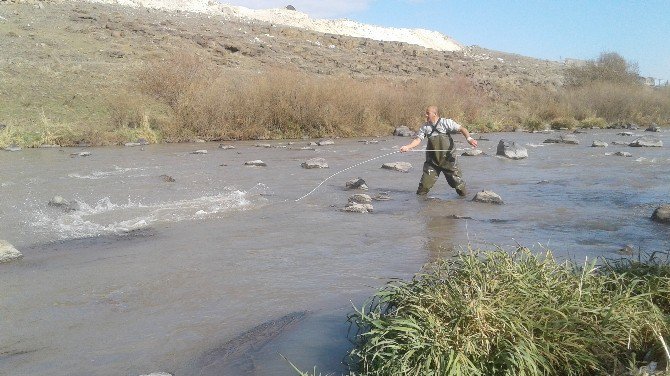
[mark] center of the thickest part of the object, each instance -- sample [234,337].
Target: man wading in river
[439,151]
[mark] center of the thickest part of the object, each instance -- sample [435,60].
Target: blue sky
[639,30]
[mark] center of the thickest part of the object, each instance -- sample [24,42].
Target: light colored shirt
[443,126]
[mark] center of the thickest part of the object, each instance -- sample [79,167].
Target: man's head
[432,114]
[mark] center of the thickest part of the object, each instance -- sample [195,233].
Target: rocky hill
[58,56]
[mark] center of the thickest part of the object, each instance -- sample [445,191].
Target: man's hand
[404,148]
[472,142]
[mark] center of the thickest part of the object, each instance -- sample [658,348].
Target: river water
[221,271]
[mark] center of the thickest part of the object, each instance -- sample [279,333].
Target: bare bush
[609,67]
[214,103]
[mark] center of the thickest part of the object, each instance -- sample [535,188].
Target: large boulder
[653,128]
[398,166]
[647,141]
[511,150]
[403,131]
[662,214]
[314,163]
[8,252]
[488,197]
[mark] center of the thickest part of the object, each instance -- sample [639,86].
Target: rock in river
[662,214]
[397,166]
[488,197]
[511,150]
[256,162]
[314,163]
[647,141]
[8,252]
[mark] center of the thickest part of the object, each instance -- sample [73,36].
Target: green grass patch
[496,313]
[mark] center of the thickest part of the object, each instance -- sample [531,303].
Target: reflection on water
[150,275]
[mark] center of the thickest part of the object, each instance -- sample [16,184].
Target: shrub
[593,122]
[608,67]
[494,313]
[533,124]
[214,102]
[564,122]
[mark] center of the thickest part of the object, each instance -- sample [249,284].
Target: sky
[638,30]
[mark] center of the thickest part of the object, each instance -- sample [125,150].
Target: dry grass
[216,103]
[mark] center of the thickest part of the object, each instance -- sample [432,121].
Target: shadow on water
[236,356]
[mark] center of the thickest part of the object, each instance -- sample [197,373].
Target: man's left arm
[467,136]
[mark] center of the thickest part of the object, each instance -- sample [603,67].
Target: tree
[609,67]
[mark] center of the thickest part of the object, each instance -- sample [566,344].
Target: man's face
[431,116]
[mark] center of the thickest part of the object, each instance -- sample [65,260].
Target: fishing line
[358,164]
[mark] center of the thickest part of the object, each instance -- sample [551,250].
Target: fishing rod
[360,163]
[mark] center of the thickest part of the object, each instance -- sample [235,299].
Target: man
[439,151]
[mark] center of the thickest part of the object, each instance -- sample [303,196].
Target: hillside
[62,61]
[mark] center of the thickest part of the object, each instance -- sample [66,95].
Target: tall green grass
[496,313]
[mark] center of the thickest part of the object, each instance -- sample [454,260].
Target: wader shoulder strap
[434,127]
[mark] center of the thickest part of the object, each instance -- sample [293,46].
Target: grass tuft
[496,313]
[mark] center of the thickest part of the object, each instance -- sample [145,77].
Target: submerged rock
[382,196]
[623,154]
[488,197]
[627,250]
[13,148]
[81,154]
[662,214]
[226,147]
[314,163]
[8,252]
[203,151]
[60,202]
[472,152]
[397,166]
[256,162]
[563,139]
[511,150]
[167,178]
[325,142]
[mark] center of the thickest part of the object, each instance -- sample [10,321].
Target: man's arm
[467,136]
[411,145]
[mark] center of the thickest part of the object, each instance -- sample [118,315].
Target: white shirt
[443,126]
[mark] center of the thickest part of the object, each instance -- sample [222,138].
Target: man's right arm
[415,142]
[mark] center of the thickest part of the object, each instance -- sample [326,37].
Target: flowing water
[222,270]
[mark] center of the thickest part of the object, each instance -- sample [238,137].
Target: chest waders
[440,161]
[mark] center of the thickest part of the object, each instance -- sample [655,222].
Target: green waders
[440,161]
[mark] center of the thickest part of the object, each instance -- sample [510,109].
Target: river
[222,270]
